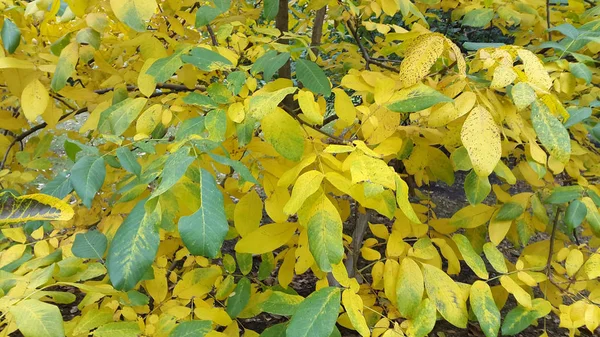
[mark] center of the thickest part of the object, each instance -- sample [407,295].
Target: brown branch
[282,23]
[335,139]
[364,52]
[34,129]
[551,248]
[548,20]
[213,38]
[168,86]
[317,32]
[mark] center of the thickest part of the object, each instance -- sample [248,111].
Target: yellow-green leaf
[265,103]
[473,260]
[266,238]
[445,294]
[66,66]
[354,308]
[306,185]
[33,207]
[134,13]
[38,319]
[551,132]
[409,288]
[284,133]
[484,307]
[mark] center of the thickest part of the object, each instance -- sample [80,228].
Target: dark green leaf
[274,64]
[206,59]
[478,17]
[240,168]
[11,36]
[313,77]
[238,301]
[280,303]
[316,315]
[175,167]
[204,231]
[128,161]
[582,71]
[575,214]
[271,7]
[134,246]
[89,245]
[509,211]
[87,177]
[59,187]
[562,194]
[577,115]
[200,100]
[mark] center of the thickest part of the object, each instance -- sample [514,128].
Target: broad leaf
[484,307]
[87,177]
[11,36]
[238,301]
[477,188]
[551,132]
[37,319]
[116,119]
[66,66]
[409,288]
[481,137]
[191,329]
[175,167]
[446,296]
[316,315]
[313,77]
[89,245]
[32,207]
[417,98]
[134,13]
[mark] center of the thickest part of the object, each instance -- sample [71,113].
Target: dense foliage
[177,168]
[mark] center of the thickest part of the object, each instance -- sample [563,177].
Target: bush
[182,168]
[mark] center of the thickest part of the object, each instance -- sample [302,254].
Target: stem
[335,139]
[353,31]
[551,249]
[362,223]
[548,19]
[213,38]
[317,32]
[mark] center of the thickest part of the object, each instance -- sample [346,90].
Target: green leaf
[284,133]
[189,127]
[134,13]
[88,36]
[235,81]
[277,330]
[424,320]
[477,188]
[11,36]
[274,64]
[472,259]
[562,194]
[280,303]
[134,246]
[417,98]
[65,66]
[240,168]
[264,104]
[92,319]
[582,71]
[517,320]
[200,100]
[206,59]
[192,329]
[409,288]
[484,307]
[316,315]
[577,115]
[205,14]
[446,296]
[551,132]
[324,227]
[116,119]
[204,231]
[270,9]
[59,187]
[57,46]
[575,214]
[163,69]
[128,161]
[89,245]
[313,77]
[461,160]
[175,166]
[216,125]
[37,319]
[238,301]
[480,17]
[87,177]
[118,329]
[566,29]
[509,211]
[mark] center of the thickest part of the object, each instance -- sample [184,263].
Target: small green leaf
[580,70]
[562,194]
[238,166]
[118,329]
[192,329]
[205,14]
[89,245]
[478,17]
[509,211]
[65,67]
[575,214]
[472,259]
[87,177]
[577,115]
[417,98]
[206,59]
[11,36]
[313,77]
[270,9]
[128,161]
[175,167]
[477,188]
[238,301]
[274,64]
[163,69]
[204,231]
[200,100]
[37,319]
[517,320]
[551,132]
[280,303]
[116,119]
[316,315]
[59,187]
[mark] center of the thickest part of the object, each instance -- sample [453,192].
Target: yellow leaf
[472,216]
[354,308]
[306,185]
[275,202]
[34,100]
[365,168]
[452,110]
[264,103]
[503,76]
[344,108]
[266,238]
[158,287]
[236,112]
[409,287]
[512,287]
[11,62]
[446,296]
[149,119]
[16,234]
[403,202]
[534,69]
[134,13]
[286,271]
[309,107]
[420,56]
[248,213]
[481,137]
[574,262]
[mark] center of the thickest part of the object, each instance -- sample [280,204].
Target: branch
[364,52]
[548,19]
[317,32]
[337,140]
[34,129]
[551,249]
[168,86]
[213,38]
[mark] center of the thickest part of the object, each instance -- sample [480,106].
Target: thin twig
[548,20]
[551,249]
[34,129]
[337,140]
[168,86]
[364,52]
[213,38]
